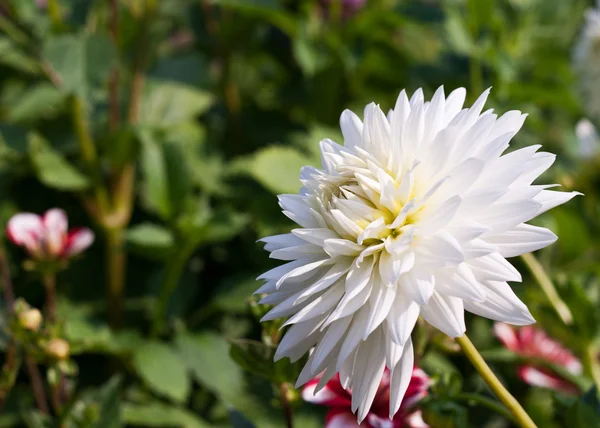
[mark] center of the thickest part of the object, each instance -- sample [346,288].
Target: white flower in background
[413,215]
[588,142]
[587,63]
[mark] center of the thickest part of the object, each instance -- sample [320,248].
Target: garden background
[169,127]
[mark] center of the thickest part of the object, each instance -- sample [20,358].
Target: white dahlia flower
[587,62]
[413,216]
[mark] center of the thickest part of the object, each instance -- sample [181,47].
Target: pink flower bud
[30,319]
[58,349]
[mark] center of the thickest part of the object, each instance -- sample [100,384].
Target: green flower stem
[173,272]
[37,384]
[49,281]
[54,12]
[287,408]
[13,31]
[543,279]
[513,406]
[89,156]
[591,362]
[115,270]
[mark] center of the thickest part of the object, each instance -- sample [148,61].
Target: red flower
[339,399]
[47,237]
[532,342]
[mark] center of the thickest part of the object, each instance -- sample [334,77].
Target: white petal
[276,242]
[342,247]
[445,313]
[368,370]
[315,236]
[353,336]
[296,334]
[320,305]
[352,128]
[402,318]
[56,225]
[296,252]
[461,283]
[503,216]
[400,377]
[441,216]
[418,286]
[26,229]
[501,304]
[335,332]
[77,241]
[494,267]
[336,272]
[379,305]
[550,199]
[522,239]
[454,104]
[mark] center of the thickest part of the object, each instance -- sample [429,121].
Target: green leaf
[267,10]
[168,103]
[52,169]
[108,399]
[257,358]
[200,226]
[41,101]
[232,294]
[157,414]
[207,357]
[161,368]
[82,62]
[166,183]
[14,138]
[582,415]
[151,239]
[36,419]
[12,56]
[278,168]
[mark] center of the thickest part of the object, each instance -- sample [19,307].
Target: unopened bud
[30,319]
[58,348]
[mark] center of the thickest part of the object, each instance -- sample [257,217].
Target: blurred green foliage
[236,96]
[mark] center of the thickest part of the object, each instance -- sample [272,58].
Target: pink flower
[339,399]
[47,237]
[532,342]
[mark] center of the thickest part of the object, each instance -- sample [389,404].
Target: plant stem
[287,408]
[9,294]
[34,374]
[50,286]
[592,362]
[115,270]
[543,279]
[37,385]
[54,12]
[90,158]
[173,272]
[113,84]
[13,31]
[521,416]
[9,371]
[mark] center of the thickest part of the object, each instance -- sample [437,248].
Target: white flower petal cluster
[586,60]
[413,216]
